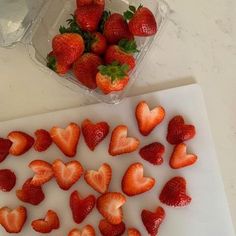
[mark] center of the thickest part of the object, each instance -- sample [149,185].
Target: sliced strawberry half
[7,180]
[13,220]
[120,143]
[134,183]
[46,225]
[21,142]
[174,193]
[153,220]
[5,145]
[153,153]
[108,229]
[43,140]
[67,174]
[30,193]
[43,172]
[99,180]
[110,206]
[133,232]
[81,207]
[94,133]
[66,139]
[148,119]
[178,131]
[180,158]
[87,230]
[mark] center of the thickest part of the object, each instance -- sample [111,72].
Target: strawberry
[108,229]
[134,183]
[109,205]
[67,48]
[99,43]
[153,220]
[122,53]
[88,2]
[66,139]
[112,77]
[46,225]
[178,131]
[43,172]
[30,193]
[133,232]
[85,69]
[87,230]
[7,180]
[141,21]
[174,193]
[147,120]
[88,16]
[13,220]
[180,158]
[53,64]
[153,153]
[99,180]
[67,174]
[116,28]
[5,145]
[81,207]
[94,133]
[21,142]
[120,143]
[43,140]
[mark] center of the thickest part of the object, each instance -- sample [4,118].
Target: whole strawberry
[88,16]
[141,21]
[122,53]
[67,48]
[116,28]
[86,68]
[88,2]
[112,77]
[99,43]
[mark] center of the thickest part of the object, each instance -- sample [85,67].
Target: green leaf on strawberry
[105,16]
[128,46]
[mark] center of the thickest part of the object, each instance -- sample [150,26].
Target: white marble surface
[198,45]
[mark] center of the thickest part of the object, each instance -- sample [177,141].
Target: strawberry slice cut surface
[43,140]
[108,229]
[87,230]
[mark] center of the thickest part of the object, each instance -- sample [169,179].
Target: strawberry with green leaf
[122,53]
[141,21]
[112,77]
[98,43]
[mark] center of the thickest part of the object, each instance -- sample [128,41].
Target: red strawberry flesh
[108,229]
[5,145]
[7,180]
[43,140]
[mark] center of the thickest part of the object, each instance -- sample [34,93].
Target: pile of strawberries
[98,46]
[109,204]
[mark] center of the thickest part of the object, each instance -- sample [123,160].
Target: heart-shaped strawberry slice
[87,230]
[120,143]
[66,139]
[153,153]
[46,225]
[43,172]
[5,145]
[134,183]
[180,158]
[7,180]
[43,140]
[148,120]
[94,133]
[153,220]
[99,180]
[108,229]
[13,220]
[110,206]
[174,193]
[67,174]
[133,232]
[178,131]
[81,207]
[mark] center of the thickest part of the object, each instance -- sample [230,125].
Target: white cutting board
[208,214]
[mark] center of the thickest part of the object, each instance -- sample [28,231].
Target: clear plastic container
[35,23]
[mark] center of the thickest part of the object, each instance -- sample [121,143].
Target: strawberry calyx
[104,18]
[51,62]
[128,15]
[128,46]
[115,71]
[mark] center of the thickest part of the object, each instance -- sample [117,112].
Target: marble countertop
[198,45]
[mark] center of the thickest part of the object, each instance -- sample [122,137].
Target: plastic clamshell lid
[16,17]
